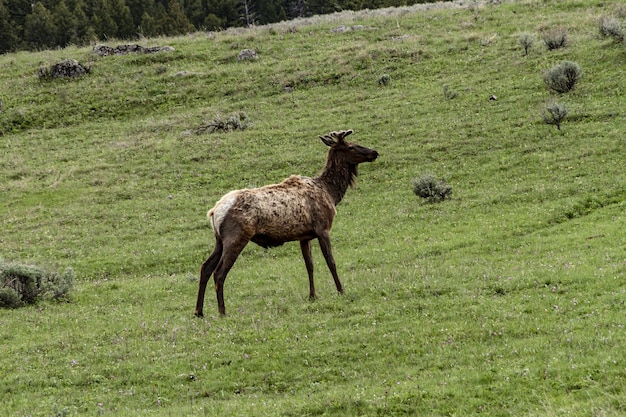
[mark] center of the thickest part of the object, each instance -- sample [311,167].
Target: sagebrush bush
[384,80]
[449,93]
[57,285]
[25,284]
[9,298]
[527,41]
[554,114]
[611,27]
[563,77]
[431,188]
[555,38]
[230,123]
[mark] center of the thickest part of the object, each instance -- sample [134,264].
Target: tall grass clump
[431,188]
[563,77]
[25,284]
[554,114]
[229,123]
[555,38]
[611,27]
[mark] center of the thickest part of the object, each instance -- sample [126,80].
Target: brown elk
[299,208]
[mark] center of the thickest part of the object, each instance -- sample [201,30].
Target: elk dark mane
[299,208]
[338,177]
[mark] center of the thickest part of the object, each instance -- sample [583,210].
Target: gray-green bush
[449,93]
[555,38]
[9,298]
[431,188]
[26,284]
[554,114]
[611,27]
[526,40]
[563,77]
[384,80]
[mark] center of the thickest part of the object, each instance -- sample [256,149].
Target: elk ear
[328,140]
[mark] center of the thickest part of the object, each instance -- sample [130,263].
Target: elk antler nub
[341,134]
[335,137]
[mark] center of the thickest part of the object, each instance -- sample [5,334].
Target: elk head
[349,152]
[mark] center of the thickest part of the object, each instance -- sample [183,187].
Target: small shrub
[247,55]
[526,40]
[57,285]
[554,114]
[448,93]
[384,80]
[230,123]
[22,284]
[555,38]
[563,77]
[431,188]
[610,27]
[9,298]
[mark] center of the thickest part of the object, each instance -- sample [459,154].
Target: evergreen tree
[9,41]
[177,22]
[18,10]
[282,15]
[65,23]
[120,13]
[147,26]
[138,8]
[298,8]
[226,10]
[212,22]
[85,33]
[194,12]
[102,21]
[160,19]
[268,11]
[314,7]
[39,28]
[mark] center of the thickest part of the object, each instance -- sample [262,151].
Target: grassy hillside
[507,299]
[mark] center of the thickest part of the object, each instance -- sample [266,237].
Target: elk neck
[336,177]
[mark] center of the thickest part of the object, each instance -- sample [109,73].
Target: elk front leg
[305,246]
[208,267]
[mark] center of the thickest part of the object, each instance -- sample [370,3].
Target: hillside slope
[506,299]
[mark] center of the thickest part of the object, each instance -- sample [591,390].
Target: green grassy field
[506,300]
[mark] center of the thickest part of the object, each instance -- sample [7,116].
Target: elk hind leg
[231,251]
[324,239]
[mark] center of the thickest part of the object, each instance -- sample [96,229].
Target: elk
[297,209]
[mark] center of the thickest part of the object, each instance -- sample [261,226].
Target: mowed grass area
[507,299]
